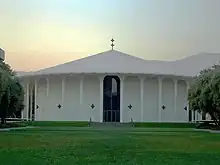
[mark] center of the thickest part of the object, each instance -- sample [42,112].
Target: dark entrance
[111,99]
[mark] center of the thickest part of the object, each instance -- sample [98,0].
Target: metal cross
[112,45]
[130,106]
[163,107]
[92,106]
[59,106]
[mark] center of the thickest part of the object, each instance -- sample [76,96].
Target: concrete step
[110,124]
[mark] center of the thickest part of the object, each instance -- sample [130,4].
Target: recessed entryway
[111,99]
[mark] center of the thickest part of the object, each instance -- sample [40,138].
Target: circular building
[110,87]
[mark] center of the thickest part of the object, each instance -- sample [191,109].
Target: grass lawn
[127,146]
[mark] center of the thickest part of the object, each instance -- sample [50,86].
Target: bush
[165,125]
[13,125]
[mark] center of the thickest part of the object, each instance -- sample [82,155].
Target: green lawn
[127,146]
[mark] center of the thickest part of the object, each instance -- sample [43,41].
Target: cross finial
[112,45]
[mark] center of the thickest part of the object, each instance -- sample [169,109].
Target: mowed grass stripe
[109,146]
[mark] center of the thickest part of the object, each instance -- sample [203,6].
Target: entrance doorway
[111,99]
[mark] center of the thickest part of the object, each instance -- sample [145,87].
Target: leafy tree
[5,67]
[11,92]
[16,97]
[204,94]
[4,80]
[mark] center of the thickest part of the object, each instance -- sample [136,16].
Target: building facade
[108,87]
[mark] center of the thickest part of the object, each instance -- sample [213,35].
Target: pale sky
[40,33]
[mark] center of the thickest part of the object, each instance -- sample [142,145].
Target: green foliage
[204,94]
[11,92]
[4,79]
[5,67]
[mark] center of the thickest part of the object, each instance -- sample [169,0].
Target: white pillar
[81,90]
[187,87]
[197,116]
[142,97]
[192,116]
[35,101]
[27,101]
[31,102]
[160,98]
[175,99]
[22,113]
[101,78]
[63,90]
[48,86]
[121,97]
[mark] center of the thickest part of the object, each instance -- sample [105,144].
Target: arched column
[101,78]
[30,114]
[81,90]
[48,86]
[142,78]
[27,100]
[187,87]
[122,78]
[160,79]
[62,90]
[175,98]
[35,99]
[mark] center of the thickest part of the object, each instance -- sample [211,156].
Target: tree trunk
[214,119]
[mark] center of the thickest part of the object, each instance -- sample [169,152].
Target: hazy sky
[41,33]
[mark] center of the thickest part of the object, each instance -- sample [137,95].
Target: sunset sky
[40,33]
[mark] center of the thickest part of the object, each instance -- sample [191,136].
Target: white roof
[113,61]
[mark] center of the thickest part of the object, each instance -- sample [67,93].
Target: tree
[11,92]
[5,67]
[204,94]
[16,97]
[4,80]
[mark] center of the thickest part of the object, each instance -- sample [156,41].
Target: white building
[110,87]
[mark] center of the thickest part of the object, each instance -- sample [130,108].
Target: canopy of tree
[11,93]
[204,94]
